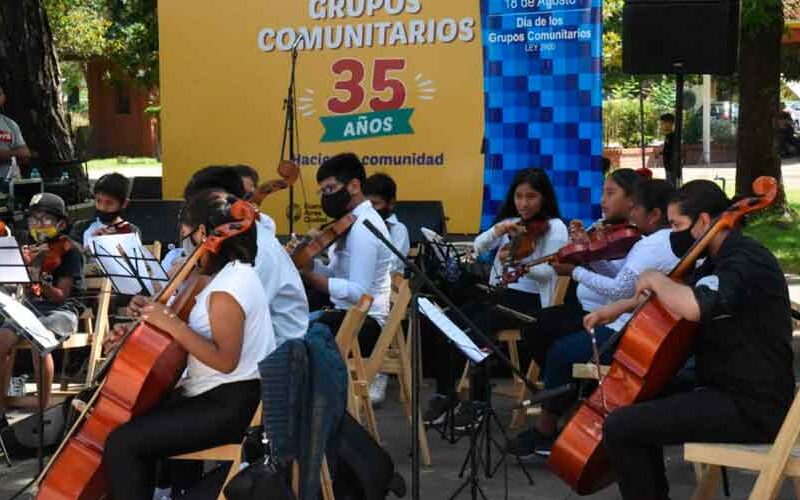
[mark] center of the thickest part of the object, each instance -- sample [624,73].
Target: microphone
[296,43]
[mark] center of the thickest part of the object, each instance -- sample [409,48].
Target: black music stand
[132,269]
[420,279]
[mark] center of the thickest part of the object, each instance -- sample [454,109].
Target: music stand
[25,323]
[133,270]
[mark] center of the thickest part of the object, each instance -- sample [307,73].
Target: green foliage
[621,122]
[757,15]
[125,31]
[79,27]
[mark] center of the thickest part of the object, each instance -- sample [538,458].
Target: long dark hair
[539,182]
[212,208]
[654,193]
[627,179]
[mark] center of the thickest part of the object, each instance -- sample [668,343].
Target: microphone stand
[290,128]
[420,279]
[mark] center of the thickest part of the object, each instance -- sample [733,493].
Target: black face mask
[335,204]
[106,217]
[385,213]
[681,242]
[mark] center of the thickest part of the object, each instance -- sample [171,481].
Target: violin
[653,347]
[288,171]
[46,257]
[311,247]
[523,244]
[606,242]
[121,227]
[139,374]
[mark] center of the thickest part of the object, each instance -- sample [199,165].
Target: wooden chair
[233,453]
[358,388]
[392,336]
[95,326]
[773,462]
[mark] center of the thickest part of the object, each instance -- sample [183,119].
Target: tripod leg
[5,451]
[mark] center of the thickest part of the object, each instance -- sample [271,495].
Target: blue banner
[543,100]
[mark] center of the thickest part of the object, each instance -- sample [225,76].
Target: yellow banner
[398,82]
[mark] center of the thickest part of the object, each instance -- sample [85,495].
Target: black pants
[552,323]
[367,337]
[180,425]
[490,320]
[634,436]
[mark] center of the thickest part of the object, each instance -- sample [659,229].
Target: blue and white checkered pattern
[544,109]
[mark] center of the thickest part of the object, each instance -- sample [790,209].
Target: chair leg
[325,481]
[709,484]
[796,483]
[235,465]
[463,383]
[518,416]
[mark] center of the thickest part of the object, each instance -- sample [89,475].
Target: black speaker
[702,36]
[418,214]
[146,188]
[157,219]
[22,438]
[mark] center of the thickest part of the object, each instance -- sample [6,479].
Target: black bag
[364,470]
[260,481]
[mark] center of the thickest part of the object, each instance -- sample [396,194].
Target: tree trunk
[759,98]
[31,79]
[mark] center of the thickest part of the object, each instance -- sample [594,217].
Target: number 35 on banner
[388,96]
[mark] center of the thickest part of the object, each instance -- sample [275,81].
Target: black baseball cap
[50,203]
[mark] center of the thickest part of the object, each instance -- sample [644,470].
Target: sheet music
[106,250]
[32,329]
[451,330]
[12,266]
[437,242]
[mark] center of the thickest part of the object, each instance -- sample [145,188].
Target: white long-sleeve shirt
[652,252]
[360,264]
[541,279]
[401,241]
[286,296]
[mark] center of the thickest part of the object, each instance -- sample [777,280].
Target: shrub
[621,122]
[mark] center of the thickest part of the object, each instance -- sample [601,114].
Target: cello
[144,368]
[653,347]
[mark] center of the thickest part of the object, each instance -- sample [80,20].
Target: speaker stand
[5,451]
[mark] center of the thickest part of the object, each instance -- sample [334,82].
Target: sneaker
[377,390]
[467,415]
[162,494]
[530,443]
[438,406]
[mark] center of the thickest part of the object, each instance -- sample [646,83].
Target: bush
[722,131]
[621,122]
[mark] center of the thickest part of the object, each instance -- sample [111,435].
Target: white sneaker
[162,494]
[377,390]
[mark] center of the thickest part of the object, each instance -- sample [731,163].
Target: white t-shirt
[10,138]
[541,279]
[241,282]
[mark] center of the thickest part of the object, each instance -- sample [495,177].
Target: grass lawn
[780,235]
[129,167]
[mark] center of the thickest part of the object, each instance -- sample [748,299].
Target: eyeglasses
[42,220]
[330,189]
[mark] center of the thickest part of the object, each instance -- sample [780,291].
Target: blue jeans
[566,351]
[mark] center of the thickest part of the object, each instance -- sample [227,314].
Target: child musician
[382,192]
[111,193]
[228,332]
[530,198]
[47,220]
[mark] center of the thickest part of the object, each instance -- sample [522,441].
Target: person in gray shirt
[11,141]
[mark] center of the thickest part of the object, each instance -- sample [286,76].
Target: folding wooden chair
[392,336]
[95,326]
[773,462]
[233,453]
[358,388]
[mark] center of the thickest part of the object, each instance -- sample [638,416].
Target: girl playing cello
[229,331]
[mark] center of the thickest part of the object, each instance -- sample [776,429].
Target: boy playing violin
[50,299]
[744,374]
[110,199]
